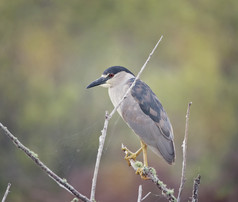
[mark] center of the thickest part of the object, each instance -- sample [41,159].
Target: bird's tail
[165,148]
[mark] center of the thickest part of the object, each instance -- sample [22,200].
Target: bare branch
[184,146]
[145,196]
[61,182]
[139,194]
[195,188]
[6,192]
[150,173]
[104,131]
[99,155]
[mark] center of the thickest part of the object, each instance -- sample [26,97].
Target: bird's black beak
[98,82]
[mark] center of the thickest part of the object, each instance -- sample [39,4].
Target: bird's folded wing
[152,107]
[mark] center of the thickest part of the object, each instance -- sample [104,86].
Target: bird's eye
[110,75]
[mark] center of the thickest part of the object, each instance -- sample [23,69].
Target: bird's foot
[140,171]
[129,155]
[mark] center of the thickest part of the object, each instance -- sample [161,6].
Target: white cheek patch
[105,85]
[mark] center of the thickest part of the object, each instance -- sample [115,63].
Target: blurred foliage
[51,50]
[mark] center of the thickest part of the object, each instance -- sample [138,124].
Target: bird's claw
[129,155]
[140,172]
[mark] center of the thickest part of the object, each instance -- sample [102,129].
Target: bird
[142,111]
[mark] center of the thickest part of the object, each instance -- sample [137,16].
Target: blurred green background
[51,50]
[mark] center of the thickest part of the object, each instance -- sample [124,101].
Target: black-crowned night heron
[142,111]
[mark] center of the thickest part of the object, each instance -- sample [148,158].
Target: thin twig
[139,194]
[99,155]
[184,146]
[104,131]
[6,192]
[195,188]
[139,199]
[61,182]
[145,196]
[150,173]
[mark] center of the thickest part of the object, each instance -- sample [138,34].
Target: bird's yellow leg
[130,155]
[140,170]
[144,149]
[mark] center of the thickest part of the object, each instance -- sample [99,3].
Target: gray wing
[149,120]
[152,107]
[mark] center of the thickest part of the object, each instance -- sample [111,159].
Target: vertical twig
[139,194]
[184,146]
[104,131]
[6,192]
[99,155]
[195,188]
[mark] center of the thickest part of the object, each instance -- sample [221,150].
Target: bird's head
[112,76]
